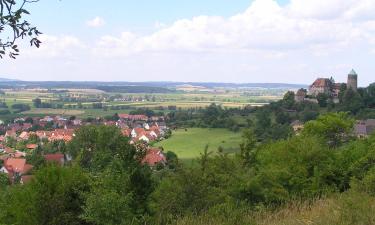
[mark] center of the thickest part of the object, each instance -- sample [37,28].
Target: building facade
[332,89]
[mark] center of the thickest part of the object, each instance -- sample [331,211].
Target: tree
[4,180]
[289,99]
[300,167]
[94,147]
[248,147]
[55,196]
[14,27]
[334,128]
[352,101]
[322,99]
[120,195]
[172,160]
[37,103]
[369,96]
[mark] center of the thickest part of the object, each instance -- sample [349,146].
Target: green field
[189,144]
[68,112]
[158,102]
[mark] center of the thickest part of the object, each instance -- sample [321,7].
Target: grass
[342,209]
[190,143]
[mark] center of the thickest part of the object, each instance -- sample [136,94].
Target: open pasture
[189,144]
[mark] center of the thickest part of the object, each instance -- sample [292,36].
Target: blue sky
[212,40]
[69,16]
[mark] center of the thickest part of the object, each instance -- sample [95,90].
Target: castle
[329,87]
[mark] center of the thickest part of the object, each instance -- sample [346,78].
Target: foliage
[334,128]
[248,147]
[322,99]
[288,100]
[352,101]
[120,195]
[197,189]
[301,166]
[4,180]
[95,146]
[14,27]
[20,107]
[53,197]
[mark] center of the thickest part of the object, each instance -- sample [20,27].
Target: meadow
[190,143]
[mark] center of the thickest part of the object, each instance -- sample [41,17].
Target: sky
[278,41]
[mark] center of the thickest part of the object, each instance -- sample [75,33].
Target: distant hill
[145,87]
[7,80]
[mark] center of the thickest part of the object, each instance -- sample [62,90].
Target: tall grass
[351,208]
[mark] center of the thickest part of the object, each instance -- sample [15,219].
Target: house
[146,126]
[154,156]
[31,146]
[77,122]
[321,86]
[57,158]
[9,150]
[27,126]
[300,95]
[16,166]
[24,136]
[137,132]
[364,128]
[143,137]
[46,119]
[10,134]
[297,126]
[126,132]
[25,179]
[19,154]
[61,135]
[43,134]
[129,117]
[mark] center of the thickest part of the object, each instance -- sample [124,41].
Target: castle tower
[352,80]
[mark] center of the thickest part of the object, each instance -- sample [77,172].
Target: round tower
[352,80]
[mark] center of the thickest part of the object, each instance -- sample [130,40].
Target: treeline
[106,182]
[134,89]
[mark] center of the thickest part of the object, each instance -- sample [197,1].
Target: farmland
[190,143]
[80,102]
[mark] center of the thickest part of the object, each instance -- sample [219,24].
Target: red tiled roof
[9,150]
[126,132]
[31,146]
[153,157]
[321,82]
[133,117]
[26,179]
[17,165]
[55,158]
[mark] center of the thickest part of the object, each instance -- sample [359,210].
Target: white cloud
[96,22]
[65,46]
[265,25]
[267,39]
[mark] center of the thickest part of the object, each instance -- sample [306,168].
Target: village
[28,134]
